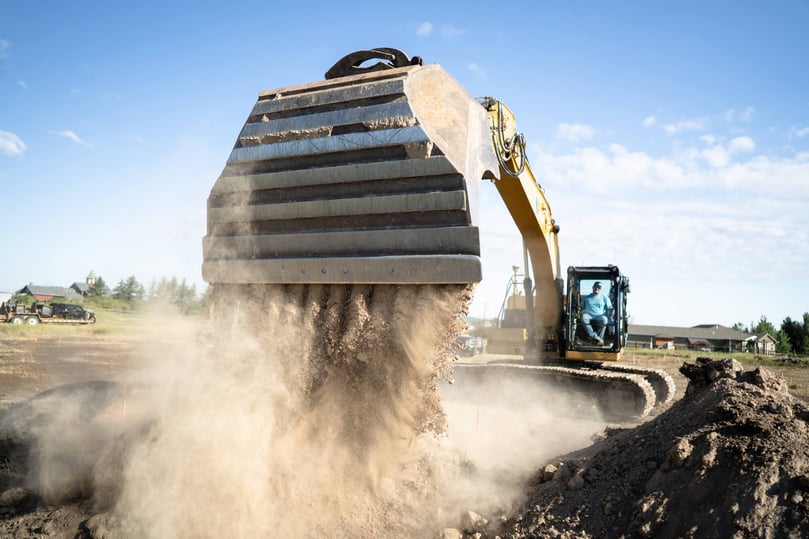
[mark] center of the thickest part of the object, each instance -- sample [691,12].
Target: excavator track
[618,396]
[661,381]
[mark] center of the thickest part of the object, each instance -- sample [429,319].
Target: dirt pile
[730,459]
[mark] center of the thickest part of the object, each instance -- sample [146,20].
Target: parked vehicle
[44,313]
[468,345]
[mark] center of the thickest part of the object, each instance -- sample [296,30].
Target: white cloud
[574,132]
[800,133]
[22,84]
[681,214]
[70,135]
[450,31]
[720,166]
[747,114]
[594,169]
[716,156]
[741,144]
[775,177]
[694,124]
[476,69]
[744,115]
[11,144]
[424,29]
[5,45]
[649,121]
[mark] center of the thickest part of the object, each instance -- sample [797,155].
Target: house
[47,293]
[706,337]
[80,288]
[74,292]
[762,344]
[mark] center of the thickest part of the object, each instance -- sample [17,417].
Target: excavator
[371,177]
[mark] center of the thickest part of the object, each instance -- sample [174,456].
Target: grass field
[116,329]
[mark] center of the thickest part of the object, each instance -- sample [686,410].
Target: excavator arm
[531,212]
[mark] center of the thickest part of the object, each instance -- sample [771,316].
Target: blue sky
[672,138]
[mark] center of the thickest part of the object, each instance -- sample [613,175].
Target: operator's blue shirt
[596,304]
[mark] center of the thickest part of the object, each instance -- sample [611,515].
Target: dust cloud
[302,411]
[503,425]
[297,411]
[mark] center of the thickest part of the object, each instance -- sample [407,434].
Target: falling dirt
[301,411]
[319,411]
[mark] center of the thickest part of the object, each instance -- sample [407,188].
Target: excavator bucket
[370,178]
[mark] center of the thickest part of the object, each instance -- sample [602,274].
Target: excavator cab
[592,334]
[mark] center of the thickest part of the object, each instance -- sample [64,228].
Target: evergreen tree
[795,333]
[99,288]
[129,290]
[782,346]
[764,326]
[176,292]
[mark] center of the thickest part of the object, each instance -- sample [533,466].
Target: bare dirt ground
[33,364]
[727,460]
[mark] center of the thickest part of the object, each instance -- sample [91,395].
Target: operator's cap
[597,284]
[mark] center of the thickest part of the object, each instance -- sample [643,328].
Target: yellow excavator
[371,177]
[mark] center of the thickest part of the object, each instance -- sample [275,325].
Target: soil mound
[730,459]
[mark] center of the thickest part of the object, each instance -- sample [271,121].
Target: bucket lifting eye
[351,64]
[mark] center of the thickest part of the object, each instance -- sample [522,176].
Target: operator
[597,307]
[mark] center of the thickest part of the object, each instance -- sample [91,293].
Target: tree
[99,288]
[764,326]
[164,290]
[176,292]
[782,346]
[796,334]
[129,290]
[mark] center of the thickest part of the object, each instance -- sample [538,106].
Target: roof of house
[702,331]
[763,337]
[81,287]
[39,290]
